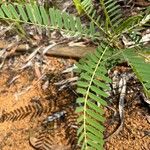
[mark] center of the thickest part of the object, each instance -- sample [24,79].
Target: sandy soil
[24,91]
[23,134]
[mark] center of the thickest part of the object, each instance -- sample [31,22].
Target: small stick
[142,3]
[58,50]
[122,88]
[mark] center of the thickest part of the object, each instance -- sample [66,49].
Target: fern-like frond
[113,14]
[127,24]
[141,66]
[88,8]
[54,19]
[92,87]
[131,23]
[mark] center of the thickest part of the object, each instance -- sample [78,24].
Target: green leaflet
[30,13]
[37,14]
[6,10]
[13,11]
[22,13]
[44,16]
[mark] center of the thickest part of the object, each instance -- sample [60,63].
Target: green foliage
[93,89]
[77,4]
[141,66]
[54,19]
[112,11]
[92,85]
[88,8]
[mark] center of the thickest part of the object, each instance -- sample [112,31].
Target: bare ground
[23,88]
